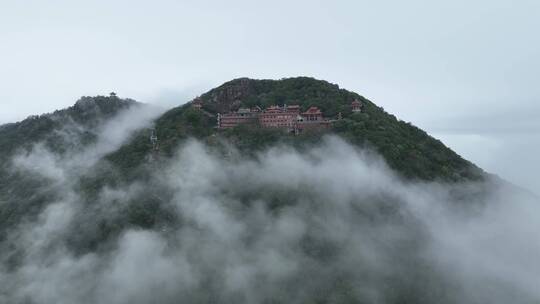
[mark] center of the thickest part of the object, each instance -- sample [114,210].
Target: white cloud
[346,223]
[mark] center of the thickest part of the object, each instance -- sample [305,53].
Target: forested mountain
[79,120]
[50,138]
[371,210]
[406,148]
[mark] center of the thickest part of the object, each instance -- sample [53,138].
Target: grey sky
[465,71]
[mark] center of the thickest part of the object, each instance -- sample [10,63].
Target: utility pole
[155,145]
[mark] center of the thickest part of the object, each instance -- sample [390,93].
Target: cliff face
[229,96]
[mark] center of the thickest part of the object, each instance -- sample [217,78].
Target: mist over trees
[375,211]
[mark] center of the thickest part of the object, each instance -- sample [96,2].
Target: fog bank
[330,224]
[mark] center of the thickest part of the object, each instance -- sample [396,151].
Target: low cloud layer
[330,224]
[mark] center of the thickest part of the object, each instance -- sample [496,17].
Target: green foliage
[24,194]
[303,91]
[406,148]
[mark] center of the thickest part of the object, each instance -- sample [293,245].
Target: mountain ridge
[372,201]
[407,149]
[87,112]
[399,142]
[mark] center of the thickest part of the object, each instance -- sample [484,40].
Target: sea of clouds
[329,224]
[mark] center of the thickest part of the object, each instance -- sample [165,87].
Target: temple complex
[243,116]
[279,117]
[311,119]
[286,117]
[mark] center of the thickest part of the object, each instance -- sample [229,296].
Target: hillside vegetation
[251,215]
[406,148]
[69,130]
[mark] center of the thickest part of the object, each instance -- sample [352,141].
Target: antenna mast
[155,145]
[154,140]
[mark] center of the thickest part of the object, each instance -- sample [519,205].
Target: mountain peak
[406,148]
[87,112]
[246,92]
[86,103]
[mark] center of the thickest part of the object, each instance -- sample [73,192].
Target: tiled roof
[313,110]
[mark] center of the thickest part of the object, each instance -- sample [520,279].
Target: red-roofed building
[279,117]
[285,117]
[312,114]
[311,119]
[356,106]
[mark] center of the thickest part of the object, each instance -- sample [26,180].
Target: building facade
[356,106]
[284,117]
[312,119]
[241,117]
[279,117]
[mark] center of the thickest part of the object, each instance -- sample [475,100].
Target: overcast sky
[465,71]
